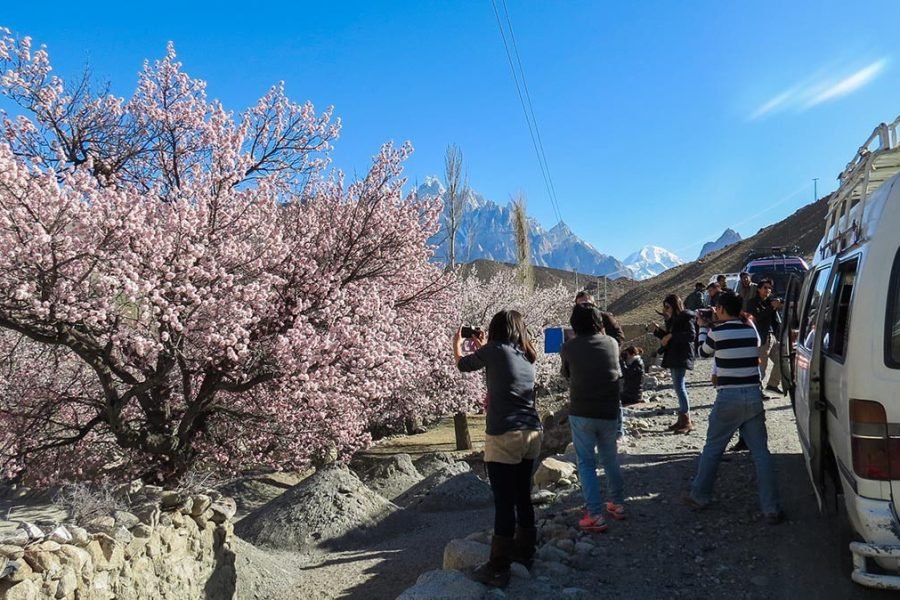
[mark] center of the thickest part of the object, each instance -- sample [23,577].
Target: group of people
[600,380]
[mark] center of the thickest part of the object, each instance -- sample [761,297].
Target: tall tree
[457,190]
[523,244]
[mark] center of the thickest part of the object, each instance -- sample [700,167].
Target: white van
[842,364]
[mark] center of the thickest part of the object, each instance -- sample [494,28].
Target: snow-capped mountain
[650,261]
[486,231]
[730,236]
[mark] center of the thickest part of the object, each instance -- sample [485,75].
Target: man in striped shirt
[739,406]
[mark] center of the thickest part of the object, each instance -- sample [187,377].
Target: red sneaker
[616,511]
[595,524]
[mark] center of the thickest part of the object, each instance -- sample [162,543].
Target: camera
[468,331]
[707,314]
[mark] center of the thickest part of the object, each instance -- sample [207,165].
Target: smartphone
[469,331]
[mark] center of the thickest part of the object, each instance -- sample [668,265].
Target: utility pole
[815,188]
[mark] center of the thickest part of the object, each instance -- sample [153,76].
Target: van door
[809,406]
[790,331]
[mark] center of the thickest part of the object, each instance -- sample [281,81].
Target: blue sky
[662,122]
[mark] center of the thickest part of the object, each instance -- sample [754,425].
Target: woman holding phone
[512,441]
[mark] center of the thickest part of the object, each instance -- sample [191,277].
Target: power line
[537,131]
[529,118]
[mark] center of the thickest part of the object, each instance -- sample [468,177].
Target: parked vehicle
[842,359]
[731,280]
[778,264]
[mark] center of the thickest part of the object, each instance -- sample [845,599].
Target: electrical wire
[527,107]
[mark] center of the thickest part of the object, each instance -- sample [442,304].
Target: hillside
[804,228]
[547,277]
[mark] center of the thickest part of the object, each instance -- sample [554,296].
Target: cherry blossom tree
[180,285]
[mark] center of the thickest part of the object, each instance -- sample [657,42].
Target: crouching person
[733,343]
[513,440]
[590,361]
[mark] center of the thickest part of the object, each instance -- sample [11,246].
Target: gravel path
[663,550]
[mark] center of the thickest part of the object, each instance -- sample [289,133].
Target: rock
[31,530]
[105,553]
[24,590]
[314,511]
[223,510]
[542,497]
[141,531]
[482,537]
[519,570]
[552,470]
[759,580]
[126,519]
[21,571]
[43,560]
[80,536]
[566,545]
[391,476]
[429,464]
[550,553]
[148,514]
[441,493]
[564,483]
[101,525]
[170,499]
[68,583]
[444,585]
[11,552]
[60,535]
[201,502]
[554,570]
[16,538]
[459,554]
[583,548]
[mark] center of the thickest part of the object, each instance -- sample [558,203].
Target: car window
[837,324]
[811,310]
[892,335]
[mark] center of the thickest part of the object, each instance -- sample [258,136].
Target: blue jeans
[589,435]
[680,390]
[737,408]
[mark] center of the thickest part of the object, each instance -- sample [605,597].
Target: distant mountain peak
[650,261]
[728,237]
[486,231]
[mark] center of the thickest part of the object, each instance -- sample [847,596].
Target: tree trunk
[461,426]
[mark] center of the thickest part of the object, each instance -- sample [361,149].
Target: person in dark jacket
[512,440]
[610,324]
[590,361]
[677,337]
[632,366]
[695,299]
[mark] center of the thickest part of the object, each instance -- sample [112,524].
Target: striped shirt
[734,344]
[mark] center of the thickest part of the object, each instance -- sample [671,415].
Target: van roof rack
[777,251]
[876,161]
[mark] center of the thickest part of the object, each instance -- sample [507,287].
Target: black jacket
[678,353]
[633,380]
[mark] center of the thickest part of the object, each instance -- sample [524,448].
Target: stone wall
[169,545]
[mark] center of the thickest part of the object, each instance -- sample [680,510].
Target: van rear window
[892,333]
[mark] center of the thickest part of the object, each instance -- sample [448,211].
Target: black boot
[524,545]
[495,572]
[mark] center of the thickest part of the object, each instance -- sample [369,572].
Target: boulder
[391,475]
[428,464]
[444,585]
[438,493]
[461,554]
[551,470]
[330,504]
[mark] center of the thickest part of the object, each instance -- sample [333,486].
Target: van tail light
[874,443]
